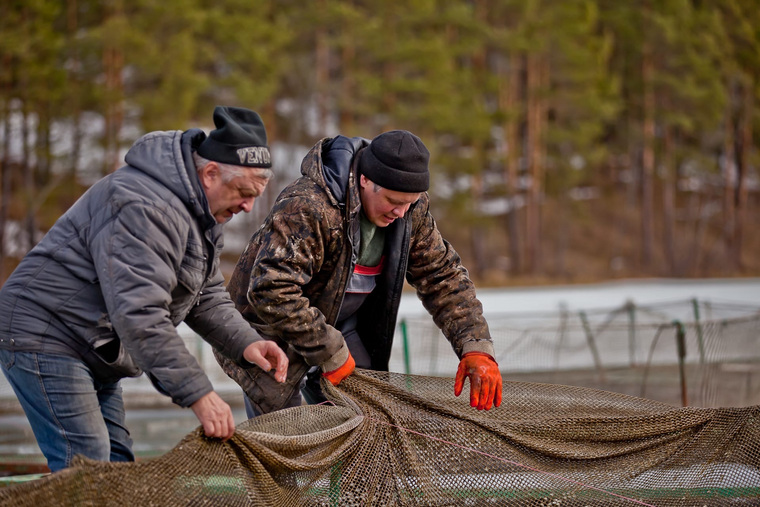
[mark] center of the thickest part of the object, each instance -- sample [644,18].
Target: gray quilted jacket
[134,257]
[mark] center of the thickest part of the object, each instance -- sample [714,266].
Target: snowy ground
[741,291]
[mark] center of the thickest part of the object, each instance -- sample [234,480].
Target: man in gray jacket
[99,298]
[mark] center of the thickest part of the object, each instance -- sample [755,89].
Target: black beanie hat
[239,139]
[396,160]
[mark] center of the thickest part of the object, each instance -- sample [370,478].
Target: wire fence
[688,352]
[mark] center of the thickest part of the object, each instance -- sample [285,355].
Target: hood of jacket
[166,156]
[329,164]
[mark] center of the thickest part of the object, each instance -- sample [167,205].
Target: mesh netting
[393,439]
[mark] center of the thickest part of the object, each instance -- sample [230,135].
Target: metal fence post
[630,306]
[592,345]
[405,339]
[700,338]
[681,345]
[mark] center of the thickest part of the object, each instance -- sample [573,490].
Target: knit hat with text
[239,138]
[396,160]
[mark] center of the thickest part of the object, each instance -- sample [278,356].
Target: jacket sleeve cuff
[485,346]
[193,392]
[337,360]
[239,357]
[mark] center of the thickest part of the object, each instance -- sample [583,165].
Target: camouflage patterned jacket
[290,281]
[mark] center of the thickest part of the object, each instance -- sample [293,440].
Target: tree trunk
[647,159]
[45,151]
[75,100]
[29,184]
[729,177]
[477,235]
[744,148]
[509,88]
[6,86]
[264,203]
[668,206]
[113,65]
[348,56]
[561,236]
[5,179]
[699,248]
[322,75]
[536,78]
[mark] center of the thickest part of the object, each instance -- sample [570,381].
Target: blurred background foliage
[571,141]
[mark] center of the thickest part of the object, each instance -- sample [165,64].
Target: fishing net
[394,439]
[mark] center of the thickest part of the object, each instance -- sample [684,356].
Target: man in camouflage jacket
[301,280]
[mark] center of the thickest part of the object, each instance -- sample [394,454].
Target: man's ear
[208,174]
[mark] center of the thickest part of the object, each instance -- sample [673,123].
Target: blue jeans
[69,411]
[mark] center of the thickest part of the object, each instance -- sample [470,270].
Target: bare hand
[268,355]
[215,416]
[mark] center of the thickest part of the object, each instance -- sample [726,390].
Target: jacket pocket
[110,362]
[266,394]
[8,358]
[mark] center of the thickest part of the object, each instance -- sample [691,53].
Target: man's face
[383,206]
[226,199]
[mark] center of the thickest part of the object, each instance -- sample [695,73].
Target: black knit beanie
[239,139]
[396,160]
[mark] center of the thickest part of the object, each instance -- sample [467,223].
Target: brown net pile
[393,439]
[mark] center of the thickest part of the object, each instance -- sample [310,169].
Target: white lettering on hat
[254,155]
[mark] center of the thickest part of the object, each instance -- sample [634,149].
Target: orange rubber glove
[336,376]
[485,380]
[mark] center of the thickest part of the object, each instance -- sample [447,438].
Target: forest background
[571,141]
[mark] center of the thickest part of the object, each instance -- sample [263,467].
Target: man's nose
[400,211]
[247,204]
